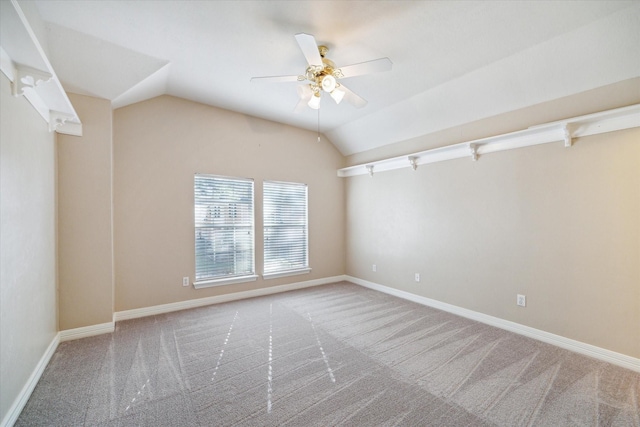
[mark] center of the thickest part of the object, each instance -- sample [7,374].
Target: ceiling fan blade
[309,48]
[301,106]
[368,67]
[352,98]
[274,79]
[305,93]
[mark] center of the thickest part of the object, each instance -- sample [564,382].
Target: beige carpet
[325,356]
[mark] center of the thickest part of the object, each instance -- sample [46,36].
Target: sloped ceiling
[454,62]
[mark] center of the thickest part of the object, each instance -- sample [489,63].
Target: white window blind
[285,228]
[224,227]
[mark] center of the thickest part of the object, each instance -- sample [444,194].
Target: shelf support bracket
[27,77]
[473,149]
[57,119]
[568,138]
[413,161]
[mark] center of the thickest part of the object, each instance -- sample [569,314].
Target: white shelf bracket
[27,77]
[473,149]
[413,161]
[58,119]
[370,170]
[568,138]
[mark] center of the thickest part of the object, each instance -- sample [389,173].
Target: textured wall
[158,147]
[560,225]
[85,260]
[27,242]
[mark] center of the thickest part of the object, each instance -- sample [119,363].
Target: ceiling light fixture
[328,83]
[337,95]
[323,78]
[314,102]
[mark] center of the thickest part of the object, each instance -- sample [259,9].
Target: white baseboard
[619,359]
[86,331]
[18,404]
[182,305]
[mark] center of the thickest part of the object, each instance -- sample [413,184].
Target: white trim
[226,281]
[564,130]
[21,399]
[46,94]
[183,305]
[278,274]
[86,331]
[609,356]
[224,177]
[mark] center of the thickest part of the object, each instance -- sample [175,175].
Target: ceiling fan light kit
[328,83]
[323,78]
[337,95]
[322,75]
[314,102]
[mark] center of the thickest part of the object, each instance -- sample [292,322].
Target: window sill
[276,275]
[227,281]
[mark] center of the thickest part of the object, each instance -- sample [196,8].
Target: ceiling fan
[322,75]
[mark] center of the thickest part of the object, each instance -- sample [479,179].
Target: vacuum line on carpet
[136,396]
[324,356]
[226,341]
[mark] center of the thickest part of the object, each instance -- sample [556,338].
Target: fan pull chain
[318,125]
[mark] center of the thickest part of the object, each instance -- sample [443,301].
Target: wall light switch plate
[417,277]
[185,281]
[521,300]
[374,268]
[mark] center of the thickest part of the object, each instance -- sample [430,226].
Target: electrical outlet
[374,268]
[521,300]
[185,281]
[417,277]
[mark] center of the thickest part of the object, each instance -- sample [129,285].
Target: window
[224,230]
[285,229]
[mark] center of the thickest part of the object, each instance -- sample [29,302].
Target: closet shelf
[561,131]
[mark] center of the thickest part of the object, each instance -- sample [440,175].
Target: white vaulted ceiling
[454,62]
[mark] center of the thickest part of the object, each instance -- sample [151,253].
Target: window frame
[293,271]
[220,280]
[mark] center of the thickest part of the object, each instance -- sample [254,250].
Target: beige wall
[27,243]
[158,147]
[85,258]
[560,225]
